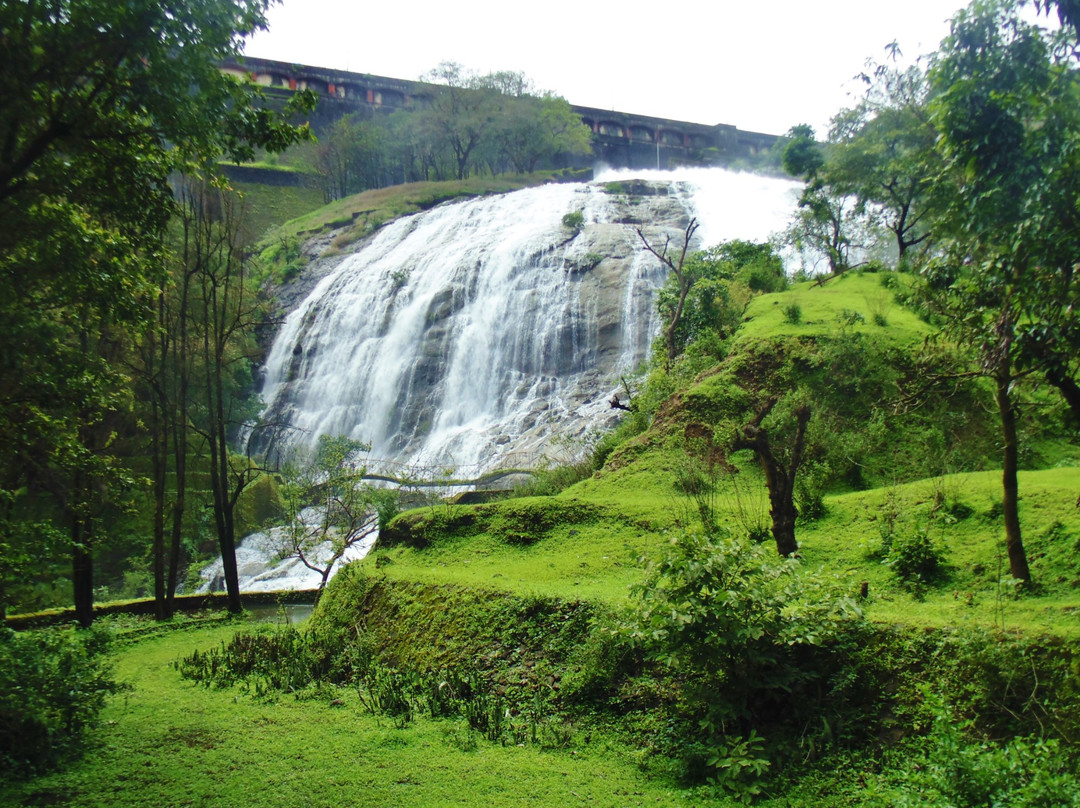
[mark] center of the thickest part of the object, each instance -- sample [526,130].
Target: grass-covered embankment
[168,742]
[590,540]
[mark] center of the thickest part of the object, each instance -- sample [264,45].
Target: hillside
[588,541]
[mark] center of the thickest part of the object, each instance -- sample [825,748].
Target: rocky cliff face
[479,334]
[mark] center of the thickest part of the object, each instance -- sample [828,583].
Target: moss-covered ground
[357,215]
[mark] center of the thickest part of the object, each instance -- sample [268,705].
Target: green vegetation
[105,107]
[361,214]
[332,478]
[172,744]
[794,575]
[53,685]
[267,206]
[464,125]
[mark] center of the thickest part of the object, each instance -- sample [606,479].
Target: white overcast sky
[762,65]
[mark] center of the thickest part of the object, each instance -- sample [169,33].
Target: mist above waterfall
[487,333]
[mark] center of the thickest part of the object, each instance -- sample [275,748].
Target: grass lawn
[820,305]
[167,742]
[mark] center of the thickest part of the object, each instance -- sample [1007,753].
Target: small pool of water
[288,614]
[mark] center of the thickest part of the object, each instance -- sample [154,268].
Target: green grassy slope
[360,214]
[594,538]
[869,295]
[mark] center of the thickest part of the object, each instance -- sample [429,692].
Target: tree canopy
[103,104]
[465,124]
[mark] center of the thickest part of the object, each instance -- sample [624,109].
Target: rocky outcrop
[480,334]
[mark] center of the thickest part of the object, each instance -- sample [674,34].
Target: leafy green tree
[487,123]
[225,313]
[1006,103]
[102,104]
[722,280]
[1068,11]
[540,129]
[682,278]
[459,115]
[350,156]
[823,222]
[882,154]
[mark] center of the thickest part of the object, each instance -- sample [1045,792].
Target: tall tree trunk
[219,476]
[181,354]
[685,281]
[176,533]
[156,355]
[1014,545]
[157,450]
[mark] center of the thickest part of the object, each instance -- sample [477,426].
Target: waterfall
[481,333]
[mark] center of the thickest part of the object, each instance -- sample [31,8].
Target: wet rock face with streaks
[479,334]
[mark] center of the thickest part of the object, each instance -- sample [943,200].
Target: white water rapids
[485,333]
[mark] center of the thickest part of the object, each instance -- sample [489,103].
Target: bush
[958,769]
[738,623]
[915,558]
[793,313]
[53,684]
[574,220]
[848,318]
[272,660]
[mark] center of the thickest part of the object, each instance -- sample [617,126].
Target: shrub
[53,684]
[849,317]
[914,558]
[272,660]
[960,770]
[793,313]
[736,621]
[810,491]
[574,220]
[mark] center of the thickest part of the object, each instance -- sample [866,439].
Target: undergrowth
[53,685]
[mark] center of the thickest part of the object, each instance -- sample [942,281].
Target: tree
[225,313]
[684,274]
[329,508]
[459,115]
[102,104]
[1068,11]
[722,280]
[494,122]
[882,154]
[780,465]
[540,129]
[823,221]
[350,156]
[1005,103]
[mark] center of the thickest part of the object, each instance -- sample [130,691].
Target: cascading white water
[473,334]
